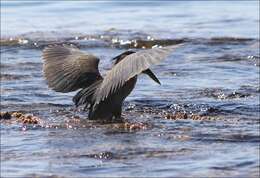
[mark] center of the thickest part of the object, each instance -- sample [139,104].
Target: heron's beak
[151,74]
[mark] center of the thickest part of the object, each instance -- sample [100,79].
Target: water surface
[213,79]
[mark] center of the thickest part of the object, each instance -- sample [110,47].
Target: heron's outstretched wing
[129,67]
[67,69]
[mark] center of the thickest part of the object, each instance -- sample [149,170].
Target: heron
[66,69]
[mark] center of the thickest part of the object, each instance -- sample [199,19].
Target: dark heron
[68,69]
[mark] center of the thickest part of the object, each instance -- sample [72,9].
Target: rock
[28,119]
[5,115]
[177,115]
[130,126]
[137,126]
[17,114]
[180,115]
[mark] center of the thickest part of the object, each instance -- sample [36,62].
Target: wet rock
[25,118]
[229,40]
[29,119]
[17,114]
[199,117]
[177,115]
[5,115]
[131,126]
[223,94]
[181,115]
[137,126]
[102,155]
[157,43]
[236,94]
[211,110]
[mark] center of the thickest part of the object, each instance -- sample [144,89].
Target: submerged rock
[177,115]
[131,126]
[17,114]
[29,119]
[183,115]
[20,117]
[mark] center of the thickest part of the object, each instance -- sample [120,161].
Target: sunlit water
[215,75]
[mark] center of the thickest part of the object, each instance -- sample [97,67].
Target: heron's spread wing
[129,67]
[67,69]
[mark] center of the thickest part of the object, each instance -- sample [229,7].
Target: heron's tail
[85,96]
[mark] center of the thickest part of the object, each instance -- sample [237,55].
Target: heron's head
[122,56]
[147,71]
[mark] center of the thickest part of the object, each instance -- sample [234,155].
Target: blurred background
[164,19]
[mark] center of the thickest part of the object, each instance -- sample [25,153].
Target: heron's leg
[117,114]
[90,113]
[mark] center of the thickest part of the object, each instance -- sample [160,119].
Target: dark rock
[5,115]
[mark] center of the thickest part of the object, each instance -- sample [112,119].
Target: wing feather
[129,67]
[67,69]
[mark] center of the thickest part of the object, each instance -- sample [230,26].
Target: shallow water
[214,76]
